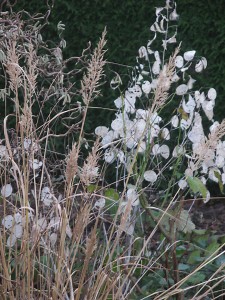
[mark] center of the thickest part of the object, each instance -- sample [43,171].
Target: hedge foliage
[201,27]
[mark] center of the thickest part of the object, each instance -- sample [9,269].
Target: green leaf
[218,176]
[199,231]
[111,201]
[220,260]
[93,188]
[111,207]
[184,223]
[197,186]
[222,240]
[180,251]
[212,247]
[112,194]
[183,267]
[183,113]
[202,241]
[194,257]
[196,278]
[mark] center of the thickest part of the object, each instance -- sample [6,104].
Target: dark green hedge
[201,27]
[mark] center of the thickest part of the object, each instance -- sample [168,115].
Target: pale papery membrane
[11,240]
[208,107]
[27,143]
[53,238]
[203,180]
[108,139]
[220,161]
[35,164]
[173,15]
[47,196]
[212,94]
[109,156]
[118,102]
[182,183]
[178,150]
[69,231]
[129,102]
[189,106]
[156,149]
[101,131]
[6,190]
[100,203]
[42,223]
[17,230]
[150,176]
[214,126]
[4,153]
[121,156]
[146,87]
[189,55]
[179,61]
[142,147]
[165,134]
[143,52]
[7,221]
[212,174]
[175,121]
[18,218]
[223,178]
[199,67]
[55,223]
[208,197]
[181,89]
[137,90]
[133,197]
[164,151]
[204,61]
[220,149]
[190,82]
[175,78]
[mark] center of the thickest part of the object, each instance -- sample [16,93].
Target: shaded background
[201,27]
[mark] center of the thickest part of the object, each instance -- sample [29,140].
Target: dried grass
[91,81]
[164,82]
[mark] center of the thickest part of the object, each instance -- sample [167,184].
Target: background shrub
[201,28]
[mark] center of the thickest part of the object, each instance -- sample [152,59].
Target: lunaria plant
[67,232]
[164,140]
[152,146]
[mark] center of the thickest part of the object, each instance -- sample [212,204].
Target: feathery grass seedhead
[12,66]
[90,170]
[216,135]
[26,121]
[71,164]
[32,71]
[91,81]
[164,82]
